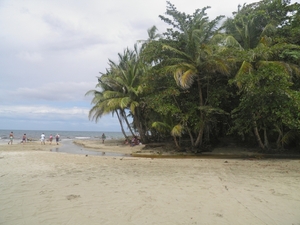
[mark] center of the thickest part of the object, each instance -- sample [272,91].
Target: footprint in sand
[276,193]
[71,197]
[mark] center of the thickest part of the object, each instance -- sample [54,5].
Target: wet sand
[39,186]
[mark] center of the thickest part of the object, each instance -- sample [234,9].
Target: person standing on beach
[50,139]
[42,138]
[57,138]
[24,139]
[11,138]
[103,138]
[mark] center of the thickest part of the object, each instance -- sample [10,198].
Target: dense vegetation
[205,80]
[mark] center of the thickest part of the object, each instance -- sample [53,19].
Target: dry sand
[38,186]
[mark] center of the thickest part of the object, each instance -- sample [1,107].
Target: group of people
[50,138]
[43,137]
[133,142]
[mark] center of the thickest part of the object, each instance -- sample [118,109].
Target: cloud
[40,117]
[70,36]
[30,56]
[43,112]
[55,91]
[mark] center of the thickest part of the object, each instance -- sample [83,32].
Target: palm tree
[152,36]
[192,58]
[122,90]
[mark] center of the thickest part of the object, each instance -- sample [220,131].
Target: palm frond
[176,51]
[161,127]
[133,105]
[245,68]
[184,79]
[177,130]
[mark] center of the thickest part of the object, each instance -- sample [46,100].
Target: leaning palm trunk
[279,144]
[126,121]
[256,133]
[199,139]
[176,142]
[121,124]
[137,127]
[137,120]
[191,136]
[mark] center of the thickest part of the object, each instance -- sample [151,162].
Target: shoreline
[140,151]
[116,147]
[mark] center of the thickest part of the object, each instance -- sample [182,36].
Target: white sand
[42,187]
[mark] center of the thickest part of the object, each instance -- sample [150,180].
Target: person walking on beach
[42,138]
[24,139]
[57,138]
[50,139]
[103,138]
[11,138]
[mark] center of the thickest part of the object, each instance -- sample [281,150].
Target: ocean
[36,134]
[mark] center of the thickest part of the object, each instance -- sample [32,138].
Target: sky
[52,51]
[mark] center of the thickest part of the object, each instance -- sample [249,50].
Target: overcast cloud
[51,52]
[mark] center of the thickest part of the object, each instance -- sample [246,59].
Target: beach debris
[86,155]
[226,162]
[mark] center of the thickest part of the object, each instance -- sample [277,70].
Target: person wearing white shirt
[42,138]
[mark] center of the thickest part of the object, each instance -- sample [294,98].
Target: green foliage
[185,81]
[267,98]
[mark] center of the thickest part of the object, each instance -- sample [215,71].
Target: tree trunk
[258,139]
[121,124]
[142,133]
[191,136]
[266,140]
[176,142]
[279,145]
[139,126]
[199,139]
[126,121]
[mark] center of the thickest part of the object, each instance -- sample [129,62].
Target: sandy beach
[41,186]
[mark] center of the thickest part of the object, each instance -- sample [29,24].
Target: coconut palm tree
[122,90]
[102,107]
[192,58]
